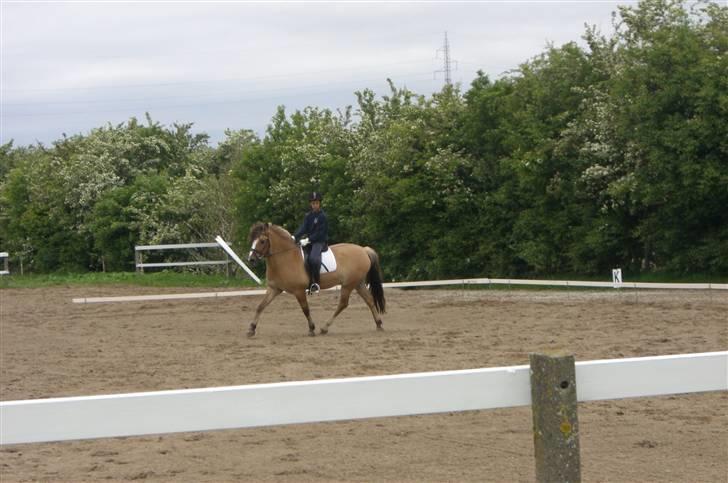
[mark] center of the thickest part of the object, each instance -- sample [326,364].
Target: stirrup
[314,289]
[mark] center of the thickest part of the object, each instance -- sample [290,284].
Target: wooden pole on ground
[555,422]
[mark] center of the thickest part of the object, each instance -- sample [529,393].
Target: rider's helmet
[315,196]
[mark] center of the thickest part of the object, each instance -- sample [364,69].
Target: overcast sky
[68,67]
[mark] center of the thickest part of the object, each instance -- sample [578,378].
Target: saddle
[328,260]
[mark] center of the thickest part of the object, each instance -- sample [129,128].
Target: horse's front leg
[303,302]
[270,294]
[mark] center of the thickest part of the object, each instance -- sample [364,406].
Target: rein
[268,255]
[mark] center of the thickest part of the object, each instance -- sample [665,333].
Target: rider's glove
[304,241]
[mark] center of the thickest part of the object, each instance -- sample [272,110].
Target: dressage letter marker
[230,252]
[617,277]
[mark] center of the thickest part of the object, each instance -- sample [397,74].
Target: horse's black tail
[374,279]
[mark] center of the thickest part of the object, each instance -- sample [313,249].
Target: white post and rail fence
[6,269]
[430,283]
[552,385]
[219,243]
[140,250]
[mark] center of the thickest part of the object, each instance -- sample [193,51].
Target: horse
[356,267]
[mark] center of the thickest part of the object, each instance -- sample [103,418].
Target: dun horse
[356,267]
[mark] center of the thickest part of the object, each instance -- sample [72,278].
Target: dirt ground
[50,347]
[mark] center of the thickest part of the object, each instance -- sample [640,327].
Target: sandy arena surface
[50,347]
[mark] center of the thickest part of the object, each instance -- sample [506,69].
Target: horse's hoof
[380,328]
[323,331]
[312,333]
[251,333]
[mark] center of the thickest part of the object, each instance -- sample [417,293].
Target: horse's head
[267,240]
[260,241]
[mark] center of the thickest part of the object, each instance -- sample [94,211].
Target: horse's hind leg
[364,293]
[270,294]
[343,303]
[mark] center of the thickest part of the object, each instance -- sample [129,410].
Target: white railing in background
[559,283]
[141,265]
[433,283]
[255,405]
[6,269]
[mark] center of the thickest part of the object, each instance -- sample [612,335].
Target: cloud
[185,61]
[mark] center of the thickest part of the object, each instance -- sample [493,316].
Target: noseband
[260,254]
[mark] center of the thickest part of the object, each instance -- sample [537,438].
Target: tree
[300,154]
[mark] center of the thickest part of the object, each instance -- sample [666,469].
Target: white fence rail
[431,283]
[225,246]
[559,283]
[255,405]
[141,265]
[6,269]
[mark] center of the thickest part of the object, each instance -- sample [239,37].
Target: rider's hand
[304,241]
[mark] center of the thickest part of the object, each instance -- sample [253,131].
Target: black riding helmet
[315,196]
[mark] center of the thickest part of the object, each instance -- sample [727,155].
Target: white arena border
[69,418]
[432,283]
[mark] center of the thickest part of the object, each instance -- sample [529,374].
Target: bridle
[267,254]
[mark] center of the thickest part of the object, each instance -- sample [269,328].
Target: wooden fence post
[555,422]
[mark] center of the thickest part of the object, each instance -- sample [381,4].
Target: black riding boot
[315,280]
[313,286]
[314,262]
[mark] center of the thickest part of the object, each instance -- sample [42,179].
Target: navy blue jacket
[316,226]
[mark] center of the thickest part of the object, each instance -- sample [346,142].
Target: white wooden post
[6,270]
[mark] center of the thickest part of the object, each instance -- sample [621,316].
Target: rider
[314,232]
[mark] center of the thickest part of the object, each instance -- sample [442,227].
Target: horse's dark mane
[259,228]
[256,230]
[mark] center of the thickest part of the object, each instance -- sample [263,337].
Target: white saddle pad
[328,261]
